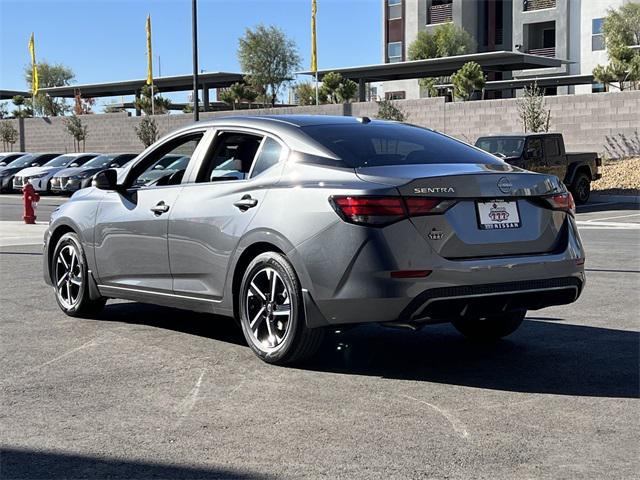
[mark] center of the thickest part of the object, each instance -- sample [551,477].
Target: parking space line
[611,218]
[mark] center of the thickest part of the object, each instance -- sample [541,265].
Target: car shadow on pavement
[541,357]
[606,207]
[30,464]
[224,329]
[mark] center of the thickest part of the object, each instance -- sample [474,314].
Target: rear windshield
[502,146]
[373,145]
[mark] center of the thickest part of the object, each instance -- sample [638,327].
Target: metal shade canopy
[501,61]
[175,83]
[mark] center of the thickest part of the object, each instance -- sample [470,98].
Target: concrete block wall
[606,123]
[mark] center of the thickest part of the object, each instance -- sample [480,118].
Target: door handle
[245,203]
[160,208]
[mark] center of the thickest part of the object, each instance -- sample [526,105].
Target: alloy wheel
[68,276]
[268,308]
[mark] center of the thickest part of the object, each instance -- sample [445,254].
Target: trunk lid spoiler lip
[447,180]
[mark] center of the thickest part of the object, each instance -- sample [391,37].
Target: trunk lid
[496,209]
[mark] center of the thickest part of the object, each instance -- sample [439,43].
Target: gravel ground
[619,177]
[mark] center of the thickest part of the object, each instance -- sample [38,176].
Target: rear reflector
[410,273]
[381,211]
[562,201]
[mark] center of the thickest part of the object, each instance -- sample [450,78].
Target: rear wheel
[71,279]
[581,188]
[490,328]
[272,312]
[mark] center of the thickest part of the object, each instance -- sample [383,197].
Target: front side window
[534,148]
[66,160]
[502,146]
[373,145]
[154,169]
[231,158]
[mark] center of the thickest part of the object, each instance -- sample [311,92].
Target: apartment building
[565,29]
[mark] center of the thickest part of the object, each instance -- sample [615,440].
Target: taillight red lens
[370,210]
[380,211]
[562,201]
[420,205]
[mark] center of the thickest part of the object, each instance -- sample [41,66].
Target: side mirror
[3,164]
[114,165]
[105,180]
[158,167]
[531,153]
[35,164]
[73,165]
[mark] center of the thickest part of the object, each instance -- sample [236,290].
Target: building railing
[440,13]
[543,52]
[530,5]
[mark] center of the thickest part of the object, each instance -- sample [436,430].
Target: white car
[40,177]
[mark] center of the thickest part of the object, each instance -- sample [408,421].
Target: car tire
[272,312]
[70,277]
[490,328]
[581,188]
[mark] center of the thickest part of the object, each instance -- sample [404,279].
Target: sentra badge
[434,190]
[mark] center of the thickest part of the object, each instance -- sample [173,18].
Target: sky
[105,40]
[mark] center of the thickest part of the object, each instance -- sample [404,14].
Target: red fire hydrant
[30,198]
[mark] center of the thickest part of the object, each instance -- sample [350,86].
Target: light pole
[194,31]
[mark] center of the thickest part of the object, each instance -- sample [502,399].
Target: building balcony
[543,52]
[531,5]
[442,13]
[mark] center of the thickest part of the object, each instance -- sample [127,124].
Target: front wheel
[272,312]
[581,188]
[490,328]
[71,279]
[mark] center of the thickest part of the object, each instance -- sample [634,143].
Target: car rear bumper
[367,293]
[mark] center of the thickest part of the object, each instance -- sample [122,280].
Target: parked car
[40,177]
[545,153]
[7,157]
[167,166]
[29,160]
[331,221]
[74,178]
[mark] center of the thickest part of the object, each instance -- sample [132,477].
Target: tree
[306,94]
[468,79]
[269,58]
[9,135]
[531,109]
[50,75]
[143,102]
[446,40]
[4,111]
[77,130]
[337,89]
[621,28]
[429,84]
[83,106]
[147,131]
[19,101]
[388,111]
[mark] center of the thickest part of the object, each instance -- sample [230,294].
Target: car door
[216,206]
[556,161]
[131,250]
[534,156]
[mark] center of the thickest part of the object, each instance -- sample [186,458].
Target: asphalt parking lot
[153,392]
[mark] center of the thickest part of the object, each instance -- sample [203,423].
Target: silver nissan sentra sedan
[292,224]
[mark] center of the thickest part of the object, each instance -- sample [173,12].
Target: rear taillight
[562,201]
[381,211]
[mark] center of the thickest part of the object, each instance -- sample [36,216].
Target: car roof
[511,134]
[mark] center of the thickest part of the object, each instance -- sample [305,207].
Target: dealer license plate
[498,214]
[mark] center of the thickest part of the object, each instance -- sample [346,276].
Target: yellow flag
[35,83]
[149,54]
[314,53]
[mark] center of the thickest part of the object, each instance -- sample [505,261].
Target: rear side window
[372,145]
[551,147]
[269,155]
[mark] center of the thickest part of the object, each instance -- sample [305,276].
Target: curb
[595,198]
